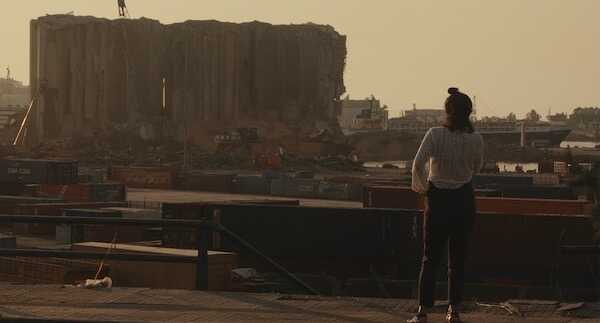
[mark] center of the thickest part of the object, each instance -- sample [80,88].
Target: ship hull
[545,138]
[551,138]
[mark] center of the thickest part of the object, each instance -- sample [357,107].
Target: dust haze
[513,55]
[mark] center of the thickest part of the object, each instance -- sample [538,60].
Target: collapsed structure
[191,79]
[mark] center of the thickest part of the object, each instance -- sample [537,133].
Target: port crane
[123,11]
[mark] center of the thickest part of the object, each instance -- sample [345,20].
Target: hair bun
[453,90]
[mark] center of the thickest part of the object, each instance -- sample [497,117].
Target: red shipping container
[144,177]
[69,193]
[392,197]
[405,198]
[86,192]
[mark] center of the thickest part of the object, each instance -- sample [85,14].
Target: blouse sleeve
[420,174]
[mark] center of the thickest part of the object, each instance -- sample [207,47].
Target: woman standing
[443,168]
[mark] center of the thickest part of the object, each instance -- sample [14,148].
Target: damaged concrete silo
[95,74]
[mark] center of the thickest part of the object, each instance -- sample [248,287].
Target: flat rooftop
[147,305]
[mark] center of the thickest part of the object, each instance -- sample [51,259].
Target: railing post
[202,235]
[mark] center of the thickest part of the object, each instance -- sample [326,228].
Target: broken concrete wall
[94,74]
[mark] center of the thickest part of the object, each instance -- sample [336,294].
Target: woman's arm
[419,170]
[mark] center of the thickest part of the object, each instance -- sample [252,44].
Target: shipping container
[356,184]
[551,192]
[546,167]
[405,198]
[9,204]
[272,174]
[144,177]
[68,234]
[98,213]
[348,179]
[488,192]
[336,240]
[485,180]
[302,174]
[546,179]
[186,238]
[392,197]
[349,241]
[93,174]
[251,185]
[86,192]
[135,213]
[334,191]
[37,171]
[561,168]
[154,235]
[18,200]
[12,188]
[278,186]
[107,192]
[221,182]
[52,209]
[32,190]
[307,188]
[56,209]
[355,192]
[8,241]
[69,193]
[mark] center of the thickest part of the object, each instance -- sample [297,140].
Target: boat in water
[537,134]
[503,131]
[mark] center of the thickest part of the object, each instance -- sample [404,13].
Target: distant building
[586,119]
[426,115]
[418,119]
[13,94]
[14,98]
[363,115]
[559,117]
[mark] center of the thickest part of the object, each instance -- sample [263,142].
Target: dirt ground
[147,305]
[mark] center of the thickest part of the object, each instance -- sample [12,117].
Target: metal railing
[203,230]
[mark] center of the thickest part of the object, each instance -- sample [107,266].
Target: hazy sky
[513,55]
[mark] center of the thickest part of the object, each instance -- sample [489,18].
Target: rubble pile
[116,148]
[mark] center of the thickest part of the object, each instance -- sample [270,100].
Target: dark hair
[458,110]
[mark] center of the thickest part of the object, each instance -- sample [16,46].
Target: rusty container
[144,177]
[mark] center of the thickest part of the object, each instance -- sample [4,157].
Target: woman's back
[453,158]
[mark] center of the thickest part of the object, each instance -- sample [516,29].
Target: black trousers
[448,219]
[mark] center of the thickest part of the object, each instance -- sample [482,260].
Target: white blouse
[447,159]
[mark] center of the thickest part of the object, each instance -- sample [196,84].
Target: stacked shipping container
[37,171]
